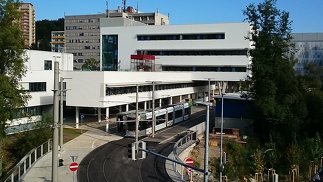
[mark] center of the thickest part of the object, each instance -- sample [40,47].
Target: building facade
[39,83]
[57,41]
[28,23]
[82,32]
[209,47]
[309,49]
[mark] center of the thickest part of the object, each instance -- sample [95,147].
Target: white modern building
[39,83]
[208,47]
[185,56]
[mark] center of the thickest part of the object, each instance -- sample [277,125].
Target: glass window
[48,65]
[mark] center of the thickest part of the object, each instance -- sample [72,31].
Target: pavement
[80,147]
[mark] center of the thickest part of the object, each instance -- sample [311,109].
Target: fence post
[36,154]
[41,150]
[29,160]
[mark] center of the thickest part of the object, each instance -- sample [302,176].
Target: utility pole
[221,138]
[137,120]
[61,114]
[153,111]
[55,125]
[206,153]
[209,95]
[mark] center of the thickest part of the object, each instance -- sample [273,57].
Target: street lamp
[206,133]
[221,135]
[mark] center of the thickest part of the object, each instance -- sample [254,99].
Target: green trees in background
[91,65]
[43,33]
[279,106]
[12,67]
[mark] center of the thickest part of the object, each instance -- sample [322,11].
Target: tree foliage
[11,63]
[91,65]
[43,33]
[274,83]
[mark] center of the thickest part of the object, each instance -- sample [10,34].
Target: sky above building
[305,14]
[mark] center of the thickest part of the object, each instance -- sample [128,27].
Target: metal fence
[27,162]
[179,147]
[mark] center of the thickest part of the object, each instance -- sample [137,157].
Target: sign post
[73,167]
[189,161]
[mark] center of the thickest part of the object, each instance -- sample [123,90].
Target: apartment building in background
[27,21]
[57,41]
[82,32]
[309,49]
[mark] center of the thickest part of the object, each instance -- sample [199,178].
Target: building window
[48,65]
[208,36]
[37,86]
[109,52]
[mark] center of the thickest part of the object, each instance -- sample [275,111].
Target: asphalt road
[110,162]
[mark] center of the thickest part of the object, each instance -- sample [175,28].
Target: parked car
[318,177]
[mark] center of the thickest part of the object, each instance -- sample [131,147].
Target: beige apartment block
[28,23]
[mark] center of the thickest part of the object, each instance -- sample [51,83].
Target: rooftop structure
[82,32]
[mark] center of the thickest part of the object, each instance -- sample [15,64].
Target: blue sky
[306,14]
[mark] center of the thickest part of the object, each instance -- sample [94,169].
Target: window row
[27,112]
[91,20]
[235,52]
[82,27]
[148,88]
[206,68]
[37,86]
[84,41]
[82,34]
[181,37]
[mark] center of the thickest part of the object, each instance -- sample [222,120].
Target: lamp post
[206,137]
[137,119]
[55,124]
[221,135]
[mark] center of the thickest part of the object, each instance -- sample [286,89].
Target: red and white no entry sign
[74,166]
[189,161]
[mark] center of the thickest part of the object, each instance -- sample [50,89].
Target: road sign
[189,161]
[74,166]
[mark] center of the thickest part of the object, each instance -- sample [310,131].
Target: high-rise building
[82,32]
[57,41]
[309,49]
[28,23]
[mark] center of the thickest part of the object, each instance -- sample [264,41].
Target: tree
[91,64]
[43,33]
[278,101]
[12,67]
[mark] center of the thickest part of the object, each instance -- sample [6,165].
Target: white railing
[179,147]
[27,162]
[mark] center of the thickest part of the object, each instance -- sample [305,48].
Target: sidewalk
[79,146]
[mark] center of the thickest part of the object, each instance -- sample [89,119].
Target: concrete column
[171,100]
[107,115]
[127,107]
[99,115]
[145,105]
[160,102]
[77,115]
[120,108]
[180,98]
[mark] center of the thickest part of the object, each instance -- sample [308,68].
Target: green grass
[71,133]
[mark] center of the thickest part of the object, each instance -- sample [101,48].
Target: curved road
[110,163]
